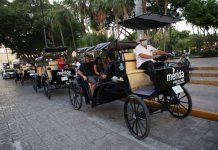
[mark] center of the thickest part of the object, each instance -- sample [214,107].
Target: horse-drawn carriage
[142,97]
[51,73]
[24,72]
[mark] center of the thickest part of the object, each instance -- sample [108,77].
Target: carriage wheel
[35,85]
[21,79]
[180,105]
[47,89]
[137,117]
[75,95]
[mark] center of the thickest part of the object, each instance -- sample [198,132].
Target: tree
[204,15]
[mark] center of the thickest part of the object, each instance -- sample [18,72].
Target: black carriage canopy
[148,21]
[55,49]
[84,49]
[109,46]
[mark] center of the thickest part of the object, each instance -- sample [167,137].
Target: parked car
[8,73]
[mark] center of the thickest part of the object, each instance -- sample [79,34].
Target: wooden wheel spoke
[132,107]
[180,109]
[182,97]
[177,110]
[136,127]
[142,125]
[183,106]
[140,129]
[133,124]
[173,108]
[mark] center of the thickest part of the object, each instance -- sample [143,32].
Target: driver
[145,54]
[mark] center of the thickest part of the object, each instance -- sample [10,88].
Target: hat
[142,37]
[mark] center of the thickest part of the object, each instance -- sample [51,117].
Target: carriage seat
[39,71]
[137,77]
[50,67]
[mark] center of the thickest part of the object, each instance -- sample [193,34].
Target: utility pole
[7,55]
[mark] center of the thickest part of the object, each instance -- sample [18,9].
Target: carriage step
[204,75]
[204,82]
[195,111]
[204,68]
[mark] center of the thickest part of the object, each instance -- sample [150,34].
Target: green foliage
[209,53]
[24,35]
[92,39]
[202,13]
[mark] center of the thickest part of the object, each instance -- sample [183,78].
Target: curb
[195,112]
[204,114]
[204,82]
[204,74]
[204,68]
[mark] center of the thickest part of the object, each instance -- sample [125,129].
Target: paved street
[28,120]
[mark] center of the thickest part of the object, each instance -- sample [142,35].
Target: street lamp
[33,3]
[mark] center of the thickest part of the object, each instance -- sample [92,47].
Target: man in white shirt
[145,54]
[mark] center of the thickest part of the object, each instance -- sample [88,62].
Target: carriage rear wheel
[75,95]
[47,89]
[137,117]
[180,105]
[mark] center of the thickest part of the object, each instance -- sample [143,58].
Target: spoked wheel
[35,87]
[158,103]
[47,89]
[180,105]
[137,117]
[76,96]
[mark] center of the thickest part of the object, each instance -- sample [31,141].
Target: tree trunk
[72,33]
[62,38]
[139,11]
[165,6]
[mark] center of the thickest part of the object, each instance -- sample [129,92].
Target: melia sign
[64,73]
[177,76]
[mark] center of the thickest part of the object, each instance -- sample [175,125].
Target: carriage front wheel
[75,95]
[137,117]
[179,105]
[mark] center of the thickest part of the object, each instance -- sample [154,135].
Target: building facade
[6,57]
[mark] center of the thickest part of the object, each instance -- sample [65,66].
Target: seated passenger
[61,62]
[76,63]
[98,66]
[86,71]
[145,54]
[109,71]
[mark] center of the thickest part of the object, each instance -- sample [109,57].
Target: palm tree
[80,10]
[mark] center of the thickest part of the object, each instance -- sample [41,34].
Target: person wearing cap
[145,54]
